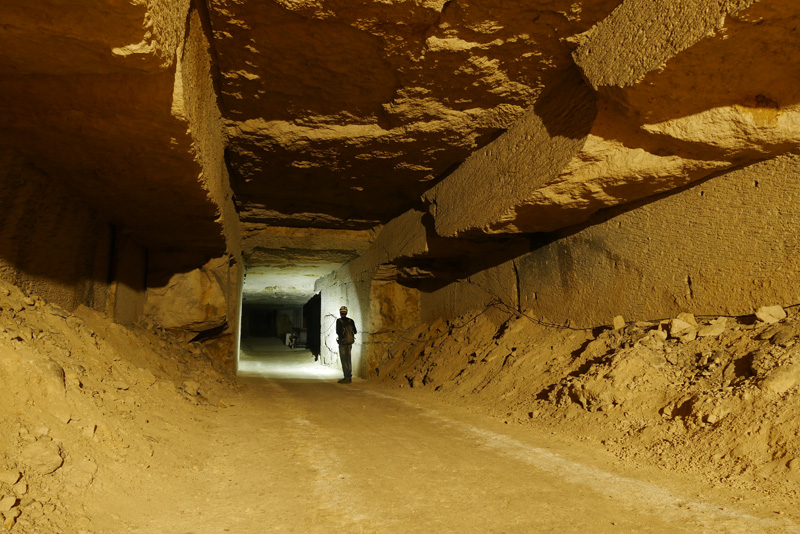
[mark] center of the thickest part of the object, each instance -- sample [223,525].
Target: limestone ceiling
[288,284]
[327,119]
[283,263]
[342,113]
[339,115]
[496,117]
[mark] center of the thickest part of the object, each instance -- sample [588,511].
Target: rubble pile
[715,396]
[86,406]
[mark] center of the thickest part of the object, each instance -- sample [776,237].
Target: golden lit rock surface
[384,96]
[684,90]
[580,216]
[506,118]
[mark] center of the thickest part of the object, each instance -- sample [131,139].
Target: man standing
[345,337]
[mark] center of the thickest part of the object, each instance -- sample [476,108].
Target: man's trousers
[347,364]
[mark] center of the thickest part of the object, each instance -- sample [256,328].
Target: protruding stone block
[714,328]
[771,314]
[682,330]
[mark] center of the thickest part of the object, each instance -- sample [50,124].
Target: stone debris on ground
[713,328]
[42,455]
[771,314]
[715,396]
[682,330]
[92,408]
[87,406]
[7,502]
[9,478]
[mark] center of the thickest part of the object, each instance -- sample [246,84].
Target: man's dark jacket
[340,324]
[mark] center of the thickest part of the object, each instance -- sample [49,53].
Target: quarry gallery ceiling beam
[604,104]
[342,114]
[676,91]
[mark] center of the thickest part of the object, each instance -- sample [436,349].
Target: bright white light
[269,358]
[284,285]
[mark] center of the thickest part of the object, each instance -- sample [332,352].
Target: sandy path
[319,457]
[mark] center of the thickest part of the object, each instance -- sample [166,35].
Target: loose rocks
[7,502]
[713,329]
[9,477]
[191,387]
[782,379]
[20,489]
[771,314]
[43,456]
[682,330]
[783,335]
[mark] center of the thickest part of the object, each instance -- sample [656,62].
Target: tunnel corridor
[568,233]
[280,327]
[269,358]
[309,457]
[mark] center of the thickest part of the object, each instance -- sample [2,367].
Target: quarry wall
[724,246]
[115,187]
[99,102]
[55,245]
[128,275]
[51,242]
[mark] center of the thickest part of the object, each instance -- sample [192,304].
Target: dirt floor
[509,427]
[715,397]
[293,456]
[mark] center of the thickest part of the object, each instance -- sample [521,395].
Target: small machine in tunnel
[282,341]
[297,327]
[281,322]
[281,316]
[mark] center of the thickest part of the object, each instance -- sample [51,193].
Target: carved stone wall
[727,245]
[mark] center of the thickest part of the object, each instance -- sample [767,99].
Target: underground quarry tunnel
[567,231]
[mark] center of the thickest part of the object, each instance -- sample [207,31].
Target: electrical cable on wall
[496,302]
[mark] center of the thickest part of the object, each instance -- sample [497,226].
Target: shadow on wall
[312,314]
[567,106]
[591,272]
[600,217]
[55,245]
[453,259]
[724,246]
[567,109]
